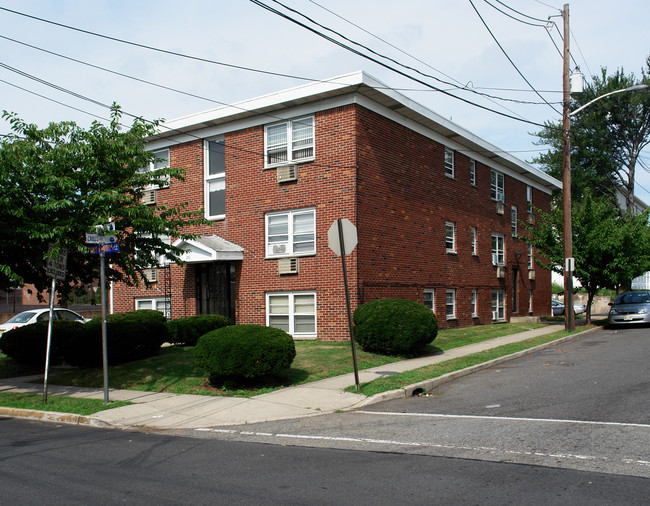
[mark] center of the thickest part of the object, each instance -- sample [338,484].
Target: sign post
[56,269]
[342,239]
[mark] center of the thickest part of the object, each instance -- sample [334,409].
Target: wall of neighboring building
[405,200]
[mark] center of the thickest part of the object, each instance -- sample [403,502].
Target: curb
[428,385]
[52,416]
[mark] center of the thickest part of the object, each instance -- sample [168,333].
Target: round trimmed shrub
[394,326]
[28,344]
[188,330]
[244,351]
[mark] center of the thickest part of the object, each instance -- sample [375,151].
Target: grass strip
[57,403]
[404,379]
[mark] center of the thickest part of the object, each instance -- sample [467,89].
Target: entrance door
[216,289]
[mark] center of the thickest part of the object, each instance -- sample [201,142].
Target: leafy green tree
[61,181]
[606,138]
[609,249]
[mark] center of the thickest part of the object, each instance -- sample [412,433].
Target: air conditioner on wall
[501,272]
[495,315]
[531,275]
[150,275]
[277,249]
[149,197]
[500,207]
[288,266]
[287,173]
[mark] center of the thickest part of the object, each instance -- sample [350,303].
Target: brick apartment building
[436,208]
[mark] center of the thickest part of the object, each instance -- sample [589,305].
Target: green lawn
[173,370]
[57,403]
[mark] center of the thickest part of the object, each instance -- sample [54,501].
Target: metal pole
[569,321]
[347,301]
[49,341]
[102,268]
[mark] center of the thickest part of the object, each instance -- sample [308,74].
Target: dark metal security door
[216,289]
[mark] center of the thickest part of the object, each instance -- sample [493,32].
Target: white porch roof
[209,248]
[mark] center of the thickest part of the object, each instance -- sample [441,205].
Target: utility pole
[569,319]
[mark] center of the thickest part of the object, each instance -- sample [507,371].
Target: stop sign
[349,232]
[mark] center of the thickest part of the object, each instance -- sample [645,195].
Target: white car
[39,315]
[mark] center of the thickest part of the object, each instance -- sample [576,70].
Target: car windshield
[21,317]
[633,298]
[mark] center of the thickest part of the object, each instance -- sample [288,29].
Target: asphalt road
[584,405]
[47,463]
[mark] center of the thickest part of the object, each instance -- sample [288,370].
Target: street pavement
[180,411]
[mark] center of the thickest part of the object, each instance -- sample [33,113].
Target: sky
[441,38]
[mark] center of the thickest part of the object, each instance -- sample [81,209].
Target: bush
[188,330]
[394,326]
[244,351]
[129,336]
[28,344]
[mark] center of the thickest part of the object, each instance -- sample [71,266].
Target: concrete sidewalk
[174,411]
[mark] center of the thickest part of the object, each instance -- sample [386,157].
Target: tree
[61,181]
[609,249]
[606,138]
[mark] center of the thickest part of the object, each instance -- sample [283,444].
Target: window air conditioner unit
[149,197]
[495,259]
[500,207]
[278,249]
[501,272]
[288,266]
[495,315]
[287,173]
[531,275]
[150,275]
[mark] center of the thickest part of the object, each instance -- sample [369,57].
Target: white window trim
[155,303]
[289,245]
[472,172]
[290,159]
[499,253]
[500,305]
[453,236]
[513,220]
[474,241]
[292,314]
[433,299]
[530,301]
[474,303]
[494,188]
[529,199]
[154,165]
[449,163]
[211,178]
[531,264]
[452,292]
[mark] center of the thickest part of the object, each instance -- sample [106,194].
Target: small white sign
[349,236]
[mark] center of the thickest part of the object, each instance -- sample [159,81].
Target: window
[215,178]
[498,252]
[474,246]
[291,233]
[289,141]
[161,161]
[450,304]
[529,199]
[449,162]
[429,300]
[450,237]
[496,186]
[498,305]
[293,312]
[530,301]
[472,172]
[530,257]
[474,303]
[513,221]
[156,303]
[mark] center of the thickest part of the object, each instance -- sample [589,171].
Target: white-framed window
[289,141]
[449,162]
[498,249]
[498,305]
[429,299]
[156,303]
[161,161]
[474,303]
[450,304]
[450,237]
[529,199]
[530,257]
[215,178]
[472,172]
[513,221]
[474,243]
[293,312]
[530,301]
[291,233]
[497,191]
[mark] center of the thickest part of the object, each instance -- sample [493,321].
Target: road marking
[510,418]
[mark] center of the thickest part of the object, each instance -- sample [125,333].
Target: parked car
[39,315]
[557,308]
[630,307]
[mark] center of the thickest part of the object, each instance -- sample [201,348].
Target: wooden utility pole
[569,319]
